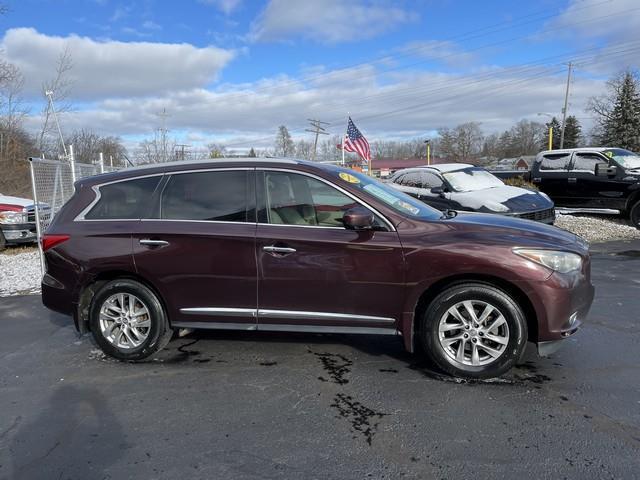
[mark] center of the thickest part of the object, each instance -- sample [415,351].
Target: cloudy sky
[233,70]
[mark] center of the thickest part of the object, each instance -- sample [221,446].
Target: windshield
[399,201]
[471,179]
[626,159]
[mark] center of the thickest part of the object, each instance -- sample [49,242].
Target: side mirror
[438,191]
[606,171]
[358,218]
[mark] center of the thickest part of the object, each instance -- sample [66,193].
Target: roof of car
[580,149]
[440,167]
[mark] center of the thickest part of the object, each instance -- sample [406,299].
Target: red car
[284,245]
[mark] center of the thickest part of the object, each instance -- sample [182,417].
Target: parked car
[17,221]
[463,187]
[590,180]
[284,245]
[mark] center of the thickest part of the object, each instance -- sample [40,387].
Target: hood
[7,201]
[505,199]
[518,231]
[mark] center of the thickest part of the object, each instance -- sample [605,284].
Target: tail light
[50,241]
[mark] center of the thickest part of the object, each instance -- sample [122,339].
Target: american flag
[355,142]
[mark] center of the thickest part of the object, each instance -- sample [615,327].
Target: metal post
[550,138]
[37,212]
[101,162]
[343,137]
[564,110]
[72,162]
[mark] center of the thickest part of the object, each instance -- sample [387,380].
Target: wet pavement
[248,405]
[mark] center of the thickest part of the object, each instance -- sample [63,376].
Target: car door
[313,273]
[198,247]
[551,175]
[586,190]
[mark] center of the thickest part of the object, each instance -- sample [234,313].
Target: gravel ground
[598,229]
[19,273]
[20,268]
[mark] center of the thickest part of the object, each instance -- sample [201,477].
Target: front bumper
[562,304]
[19,233]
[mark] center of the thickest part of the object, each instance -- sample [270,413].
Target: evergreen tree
[572,133]
[252,153]
[618,113]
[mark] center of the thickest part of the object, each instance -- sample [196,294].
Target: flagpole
[343,137]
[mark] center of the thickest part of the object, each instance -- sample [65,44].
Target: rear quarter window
[124,200]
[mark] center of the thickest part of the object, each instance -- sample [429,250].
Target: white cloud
[422,102]
[326,21]
[613,19]
[443,51]
[226,6]
[113,68]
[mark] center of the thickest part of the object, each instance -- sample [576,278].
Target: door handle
[274,249]
[573,180]
[153,243]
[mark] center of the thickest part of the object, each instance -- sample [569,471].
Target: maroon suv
[283,245]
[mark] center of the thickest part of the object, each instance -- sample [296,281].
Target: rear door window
[207,196]
[124,200]
[555,162]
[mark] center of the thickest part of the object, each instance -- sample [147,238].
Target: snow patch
[20,273]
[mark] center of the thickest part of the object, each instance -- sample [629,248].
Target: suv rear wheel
[128,321]
[474,330]
[634,215]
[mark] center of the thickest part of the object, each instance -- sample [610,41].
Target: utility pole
[163,133]
[318,129]
[564,109]
[182,146]
[428,143]
[49,95]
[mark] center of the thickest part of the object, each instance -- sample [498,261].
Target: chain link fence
[52,185]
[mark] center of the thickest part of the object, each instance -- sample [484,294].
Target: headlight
[13,217]
[563,262]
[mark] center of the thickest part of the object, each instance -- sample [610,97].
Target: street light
[428,143]
[550,128]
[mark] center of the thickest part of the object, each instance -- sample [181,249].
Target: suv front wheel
[474,330]
[128,320]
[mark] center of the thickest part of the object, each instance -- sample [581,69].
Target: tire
[3,242]
[128,337]
[634,215]
[498,346]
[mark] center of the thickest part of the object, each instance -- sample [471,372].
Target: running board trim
[284,314]
[602,211]
[270,327]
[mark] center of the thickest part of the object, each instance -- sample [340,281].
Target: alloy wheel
[125,321]
[473,333]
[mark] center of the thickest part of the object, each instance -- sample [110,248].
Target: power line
[455,85]
[318,129]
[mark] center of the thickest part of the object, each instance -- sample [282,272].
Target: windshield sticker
[609,153]
[347,177]
[381,194]
[408,207]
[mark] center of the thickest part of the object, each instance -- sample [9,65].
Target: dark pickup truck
[590,180]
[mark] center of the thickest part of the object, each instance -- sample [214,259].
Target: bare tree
[284,144]
[87,146]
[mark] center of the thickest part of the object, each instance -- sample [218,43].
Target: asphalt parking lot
[247,405]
